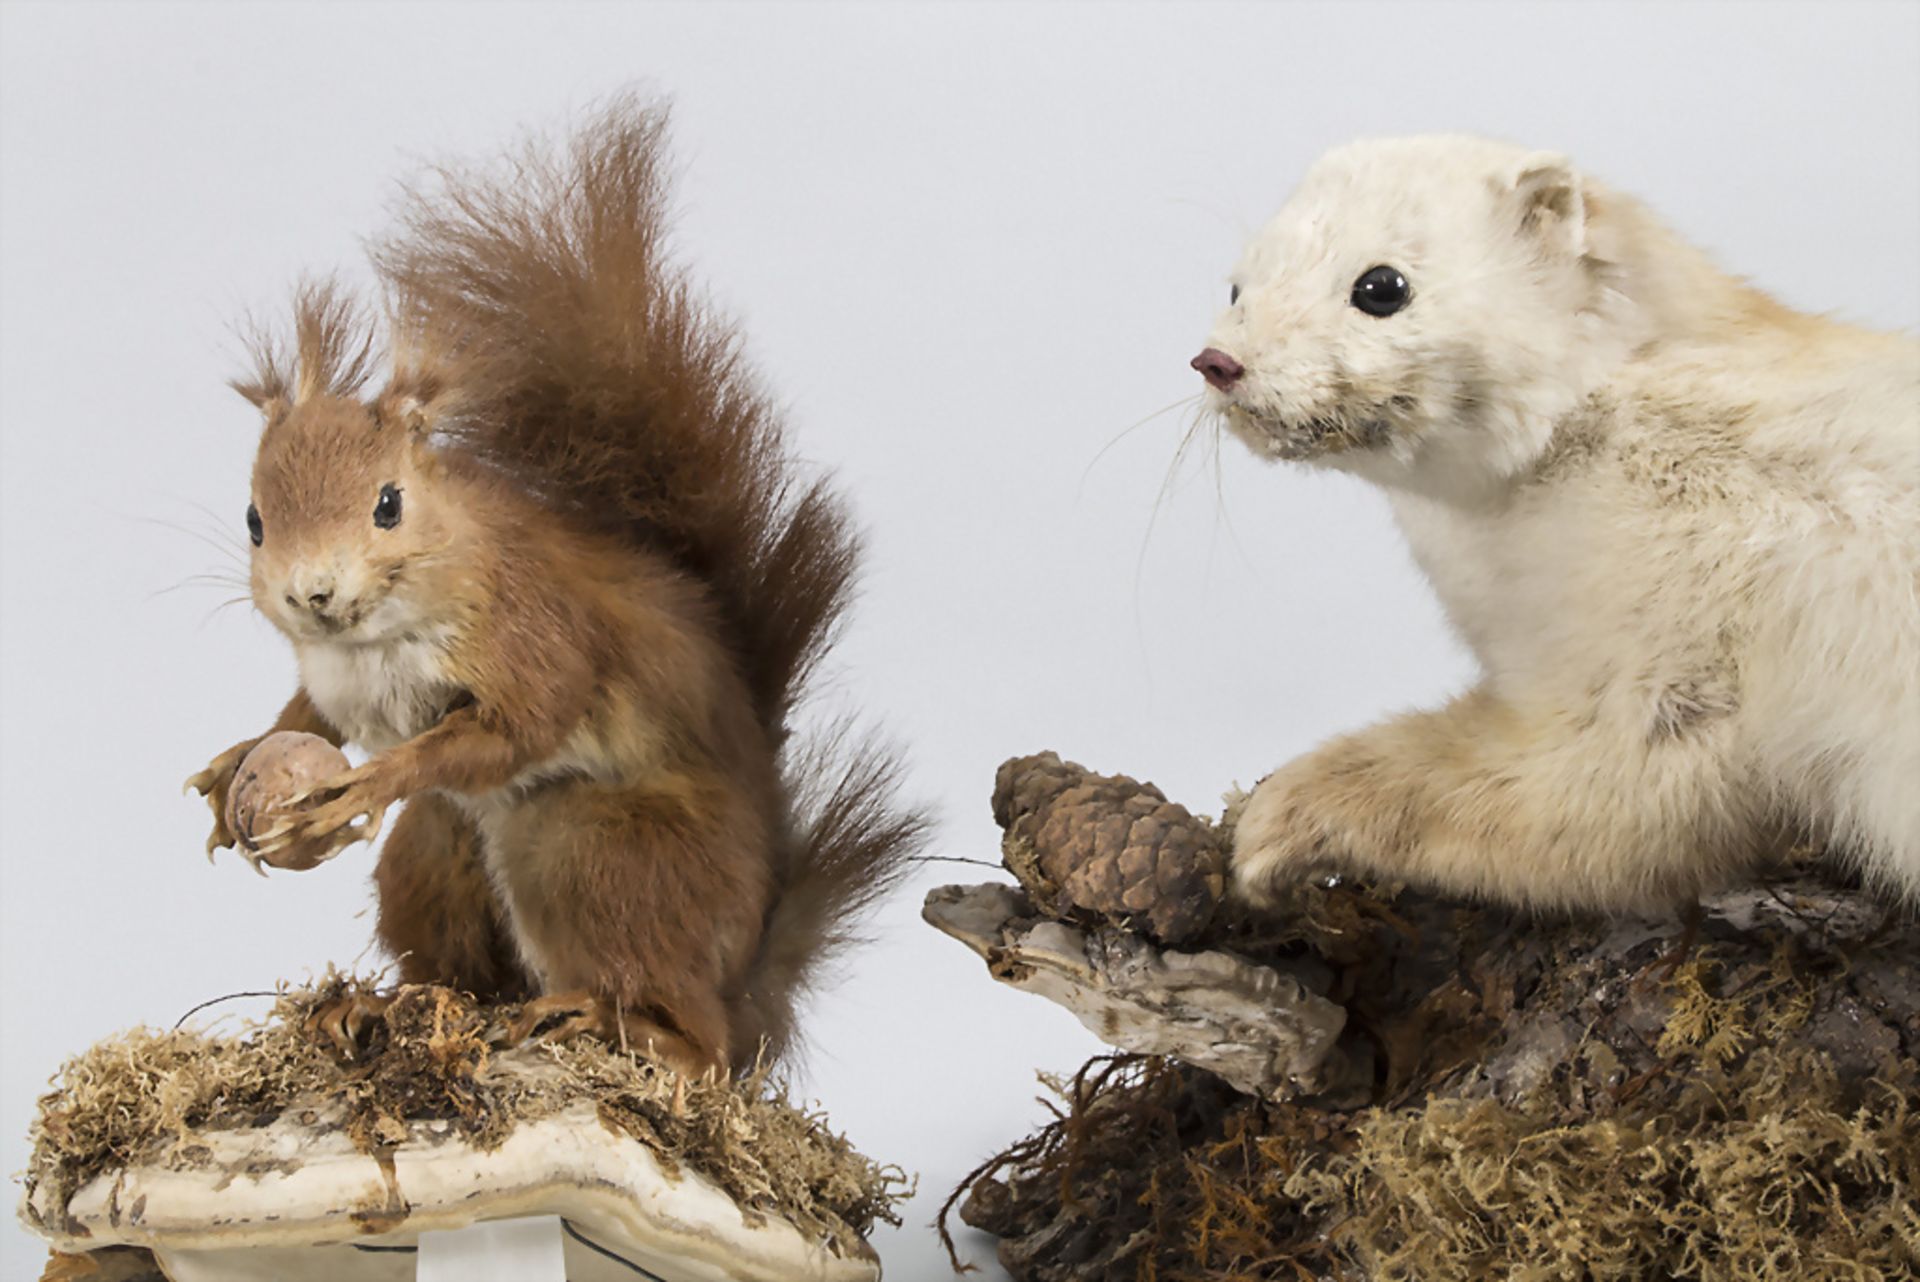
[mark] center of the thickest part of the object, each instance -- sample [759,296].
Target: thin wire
[215,1001]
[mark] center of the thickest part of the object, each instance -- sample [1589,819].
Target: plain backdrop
[973,248]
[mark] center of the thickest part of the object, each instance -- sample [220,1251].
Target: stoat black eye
[1381,291]
[255,530]
[1233,296]
[386,513]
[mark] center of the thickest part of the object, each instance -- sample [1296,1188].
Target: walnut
[1108,846]
[281,766]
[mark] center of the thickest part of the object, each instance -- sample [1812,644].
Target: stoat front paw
[1280,840]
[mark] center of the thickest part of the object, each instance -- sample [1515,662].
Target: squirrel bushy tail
[577,357]
[583,362]
[854,844]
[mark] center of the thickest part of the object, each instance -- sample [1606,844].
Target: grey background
[973,248]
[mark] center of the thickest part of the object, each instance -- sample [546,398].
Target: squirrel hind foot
[561,1017]
[344,1021]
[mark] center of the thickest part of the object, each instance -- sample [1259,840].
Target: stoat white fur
[1677,523]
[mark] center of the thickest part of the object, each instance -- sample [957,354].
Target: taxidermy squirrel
[559,577]
[1677,523]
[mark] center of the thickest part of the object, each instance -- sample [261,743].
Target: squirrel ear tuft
[1552,203]
[265,395]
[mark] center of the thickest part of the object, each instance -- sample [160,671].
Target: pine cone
[1107,846]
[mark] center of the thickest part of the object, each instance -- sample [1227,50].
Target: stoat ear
[1551,203]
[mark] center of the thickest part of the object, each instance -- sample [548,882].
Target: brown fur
[586,366]
[438,913]
[579,647]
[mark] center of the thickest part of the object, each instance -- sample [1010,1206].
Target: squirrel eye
[386,513]
[255,530]
[1381,291]
[1233,296]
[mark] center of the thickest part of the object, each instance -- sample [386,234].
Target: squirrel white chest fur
[382,694]
[1678,524]
[378,694]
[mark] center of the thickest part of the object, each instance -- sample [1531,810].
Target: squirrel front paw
[214,783]
[324,820]
[1282,838]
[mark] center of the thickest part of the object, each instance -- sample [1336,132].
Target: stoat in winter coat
[1677,523]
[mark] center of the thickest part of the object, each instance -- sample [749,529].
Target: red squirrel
[559,577]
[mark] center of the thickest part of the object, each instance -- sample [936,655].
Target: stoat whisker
[1222,517]
[1126,432]
[1192,423]
[1195,420]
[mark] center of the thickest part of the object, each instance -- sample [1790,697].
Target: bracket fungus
[201,1158]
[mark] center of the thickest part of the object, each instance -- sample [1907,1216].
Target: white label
[524,1250]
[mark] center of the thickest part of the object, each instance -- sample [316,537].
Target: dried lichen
[431,1055]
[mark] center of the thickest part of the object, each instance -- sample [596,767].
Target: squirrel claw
[212,783]
[338,824]
[344,1020]
[323,791]
[328,790]
[561,1017]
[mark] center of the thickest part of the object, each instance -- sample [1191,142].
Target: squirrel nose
[1218,368]
[312,595]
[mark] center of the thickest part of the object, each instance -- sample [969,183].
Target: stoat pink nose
[1218,368]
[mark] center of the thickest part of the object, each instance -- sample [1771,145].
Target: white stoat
[1677,523]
